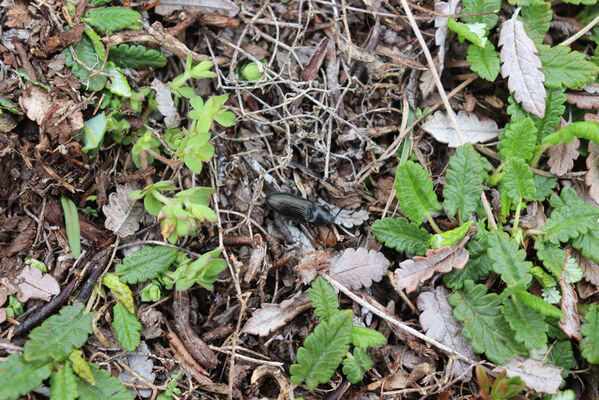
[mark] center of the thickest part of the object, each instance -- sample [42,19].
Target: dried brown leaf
[256,258]
[315,61]
[142,365]
[165,103]
[122,213]
[18,15]
[438,323]
[419,269]
[357,268]
[562,156]
[591,178]
[521,66]
[590,269]
[474,130]
[542,378]
[2,315]
[271,317]
[32,285]
[583,100]
[447,8]
[535,216]
[570,324]
[225,7]
[310,264]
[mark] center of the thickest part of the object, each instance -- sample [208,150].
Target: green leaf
[552,255]
[415,191]
[563,67]
[106,387]
[452,236]
[562,355]
[126,326]
[570,218]
[59,335]
[111,18]
[539,305]
[145,264]
[197,151]
[572,271]
[518,180]
[482,6]
[366,337]
[519,140]
[577,2]
[589,346]
[554,108]
[478,266]
[93,132]
[588,244]
[86,54]
[71,220]
[118,82]
[529,325]
[466,173]
[17,378]
[202,271]
[582,129]
[508,260]
[63,384]
[81,366]
[324,299]
[485,323]
[96,42]
[485,61]
[120,290]
[135,56]
[401,235]
[323,351]
[152,205]
[544,186]
[537,19]
[474,33]
[225,118]
[354,366]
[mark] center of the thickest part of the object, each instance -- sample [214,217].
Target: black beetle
[298,208]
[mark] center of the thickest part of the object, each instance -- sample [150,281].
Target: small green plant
[502,389]
[171,389]
[52,351]
[329,344]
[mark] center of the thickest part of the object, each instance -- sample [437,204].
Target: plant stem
[433,224]
[497,174]
[538,153]
[517,217]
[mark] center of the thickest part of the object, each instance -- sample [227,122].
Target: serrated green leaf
[570,218]
[545,279]
[485,61]
[572,271]
[474,33]
[17,377]
[145,264]
[135,56]
[63,384]
[111,18]
[451,236]
[59,335]
[583,129]
[562,355]
[554,108]
[93,132]
[518,180]
[466,173]
[324,299]
[106,387]
[508,260]
[96,42]
[552,255]
[81,366]
[519,140]
[584,2]
[86,54]
[415,191]
[482,6]
[544,186]
[366,337]
[401,235]
[588,244]
[551,295]
[118,82]
[537,19]
[355,366]
[565,68]
[71,221]
[529,325]
[485,324]
[120,290]
[126,326]
[323,350]
[539,305]
[589,346]
[478,266]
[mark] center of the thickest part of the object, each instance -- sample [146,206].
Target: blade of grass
[71,220]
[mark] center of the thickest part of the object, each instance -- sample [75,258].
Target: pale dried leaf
[3,294]
[474,130]
[521,66]
[590,269]
[310,264]
[447,8]
[562,156]
[359,268]
[438,323]
[165,103]
[271,317]
[535,216]
[346,217]
[591,178]
[224,7]
[151,320]
[122,213]
[419,269]
[32,285]
[142,365]
[583,100]
[256,258]
[542,378]
[586,289]
[570,324]
[18,15]
[2,315]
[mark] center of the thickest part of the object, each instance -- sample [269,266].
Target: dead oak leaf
[271,317]
[419,269]
[542,378]
[474,129]
[357,268]
[122,213]
[562,156]
[31,284]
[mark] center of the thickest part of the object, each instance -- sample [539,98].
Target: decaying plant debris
[328,97]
